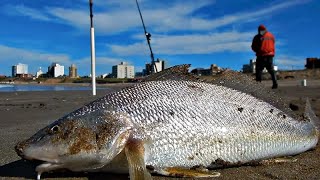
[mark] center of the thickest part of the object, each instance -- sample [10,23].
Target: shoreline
[57,87]
[67,83]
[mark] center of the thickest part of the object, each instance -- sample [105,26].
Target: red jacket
[263,45]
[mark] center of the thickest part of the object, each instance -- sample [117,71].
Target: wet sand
[24,113]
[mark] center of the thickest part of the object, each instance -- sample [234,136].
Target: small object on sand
[38,176]
[304,82]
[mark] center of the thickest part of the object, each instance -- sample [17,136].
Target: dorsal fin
[179,72]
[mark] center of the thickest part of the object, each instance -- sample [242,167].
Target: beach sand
[24,113]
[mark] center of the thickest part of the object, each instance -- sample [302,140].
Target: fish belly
[212,151]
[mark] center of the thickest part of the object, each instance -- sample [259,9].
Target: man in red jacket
[263,46]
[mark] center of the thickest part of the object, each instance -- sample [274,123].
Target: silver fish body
[186,124]
[181,124]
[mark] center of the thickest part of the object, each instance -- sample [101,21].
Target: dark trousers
[265,62]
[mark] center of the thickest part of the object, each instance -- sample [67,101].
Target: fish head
[78,142]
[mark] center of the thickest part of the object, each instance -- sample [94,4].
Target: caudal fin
[311,115]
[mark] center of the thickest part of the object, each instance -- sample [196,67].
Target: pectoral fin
[183,172]
[135,155]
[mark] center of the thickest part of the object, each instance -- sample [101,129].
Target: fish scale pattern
[186,124]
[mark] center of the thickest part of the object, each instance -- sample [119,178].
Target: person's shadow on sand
[26,169]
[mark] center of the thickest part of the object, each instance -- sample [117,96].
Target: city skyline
[53,64]
[200,32]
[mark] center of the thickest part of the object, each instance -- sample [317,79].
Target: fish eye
[54,129]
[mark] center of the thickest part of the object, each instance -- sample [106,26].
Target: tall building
[159,65]
[55,70]
[312,63]
[250,68]
[73,71]
[39,73]
[20,70]
[123,70]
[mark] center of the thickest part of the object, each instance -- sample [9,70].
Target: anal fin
[184,172]
[135,155]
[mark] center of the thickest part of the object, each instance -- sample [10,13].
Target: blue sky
[199,32]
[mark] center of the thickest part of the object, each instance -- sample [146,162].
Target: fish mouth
[46,166]
[43,164]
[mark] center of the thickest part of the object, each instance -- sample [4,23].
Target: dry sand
[23,113]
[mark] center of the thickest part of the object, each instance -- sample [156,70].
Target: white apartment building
[56,70]
[123,70]
[159,65]
[19,70]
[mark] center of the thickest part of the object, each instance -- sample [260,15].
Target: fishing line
[148,37]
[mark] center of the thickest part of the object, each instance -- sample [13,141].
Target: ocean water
[28,87]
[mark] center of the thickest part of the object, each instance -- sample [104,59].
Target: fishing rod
[148,37]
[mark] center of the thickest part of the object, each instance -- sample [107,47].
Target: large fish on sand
[174,127]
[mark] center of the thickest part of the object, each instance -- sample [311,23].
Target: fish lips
[46,166]
[42,163]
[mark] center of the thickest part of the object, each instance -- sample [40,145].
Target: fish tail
[311,115]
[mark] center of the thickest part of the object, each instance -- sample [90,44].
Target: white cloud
[34,59]
[77,18]
[124,16]
[11,56]
[190,44]
[100,60]
[254,15]
[21,10]
[15,55]
[289,62]
[120,15]
[103,64]
[114,3]
[163,20]
[104,23]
